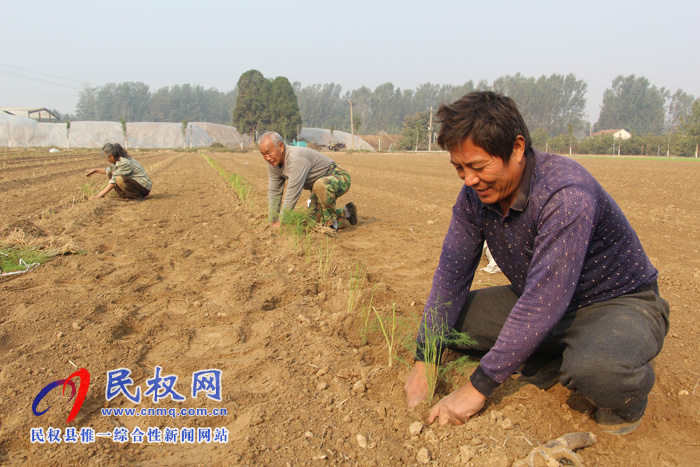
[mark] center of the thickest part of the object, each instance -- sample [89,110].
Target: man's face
[272,153]
[492,179]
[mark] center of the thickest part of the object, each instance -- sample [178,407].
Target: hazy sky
[51,49]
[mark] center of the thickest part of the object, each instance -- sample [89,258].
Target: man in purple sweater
[583,306]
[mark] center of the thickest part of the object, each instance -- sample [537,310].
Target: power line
[37,92]
[46,74]
[38,80]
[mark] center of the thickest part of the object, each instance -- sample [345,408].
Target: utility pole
[430,129]
[352,126]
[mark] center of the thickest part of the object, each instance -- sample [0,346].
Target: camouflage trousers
[323,195]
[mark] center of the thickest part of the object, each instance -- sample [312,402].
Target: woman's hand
[89,172]
[103,193]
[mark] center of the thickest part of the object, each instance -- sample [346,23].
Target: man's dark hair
[491,120]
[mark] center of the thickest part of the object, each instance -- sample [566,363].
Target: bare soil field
[193,279]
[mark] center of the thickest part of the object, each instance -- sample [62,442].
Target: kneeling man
[304,168]
[583,307]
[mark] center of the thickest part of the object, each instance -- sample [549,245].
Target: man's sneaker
[610,423]
[352,210]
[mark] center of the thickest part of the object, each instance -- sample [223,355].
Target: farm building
[41,114]
[617,134]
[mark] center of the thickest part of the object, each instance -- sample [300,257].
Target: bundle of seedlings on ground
[22,258]
[324,230]
[297,224]
[20,252]
[24,246]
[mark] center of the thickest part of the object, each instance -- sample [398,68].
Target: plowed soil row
[193,279]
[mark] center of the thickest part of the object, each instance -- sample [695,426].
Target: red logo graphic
[84,376]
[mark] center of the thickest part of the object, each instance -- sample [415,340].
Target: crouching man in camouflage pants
[304,168]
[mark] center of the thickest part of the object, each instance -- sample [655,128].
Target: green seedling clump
[355,286]
[296,223]
[364,316]
[437,338]
[234,180]
[325,252]
[87,190]
[388,326]
[10,256]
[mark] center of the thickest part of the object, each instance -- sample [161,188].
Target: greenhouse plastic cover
[26,132]
[323,137]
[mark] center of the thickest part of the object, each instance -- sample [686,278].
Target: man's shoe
[352,210]
[610,423]
[544,376]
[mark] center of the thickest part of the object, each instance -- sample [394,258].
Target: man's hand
[416,386]
[458,407]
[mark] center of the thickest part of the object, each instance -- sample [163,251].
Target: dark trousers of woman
[128,188]
[605,348]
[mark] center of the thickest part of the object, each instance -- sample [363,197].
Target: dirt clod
[423,456]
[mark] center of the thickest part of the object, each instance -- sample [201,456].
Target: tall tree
[415,132]
[634,104]
[679,106]
[161,107]
[285,118]
[691,122]
[251,111]
[548,102]
[388,107]
[322,106]
[690,131]
[86,109]
[362,104]
[128,100]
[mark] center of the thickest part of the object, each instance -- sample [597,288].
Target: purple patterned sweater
[564,244]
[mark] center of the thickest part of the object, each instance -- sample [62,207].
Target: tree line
[135,102]
[661,122]
[553,107]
